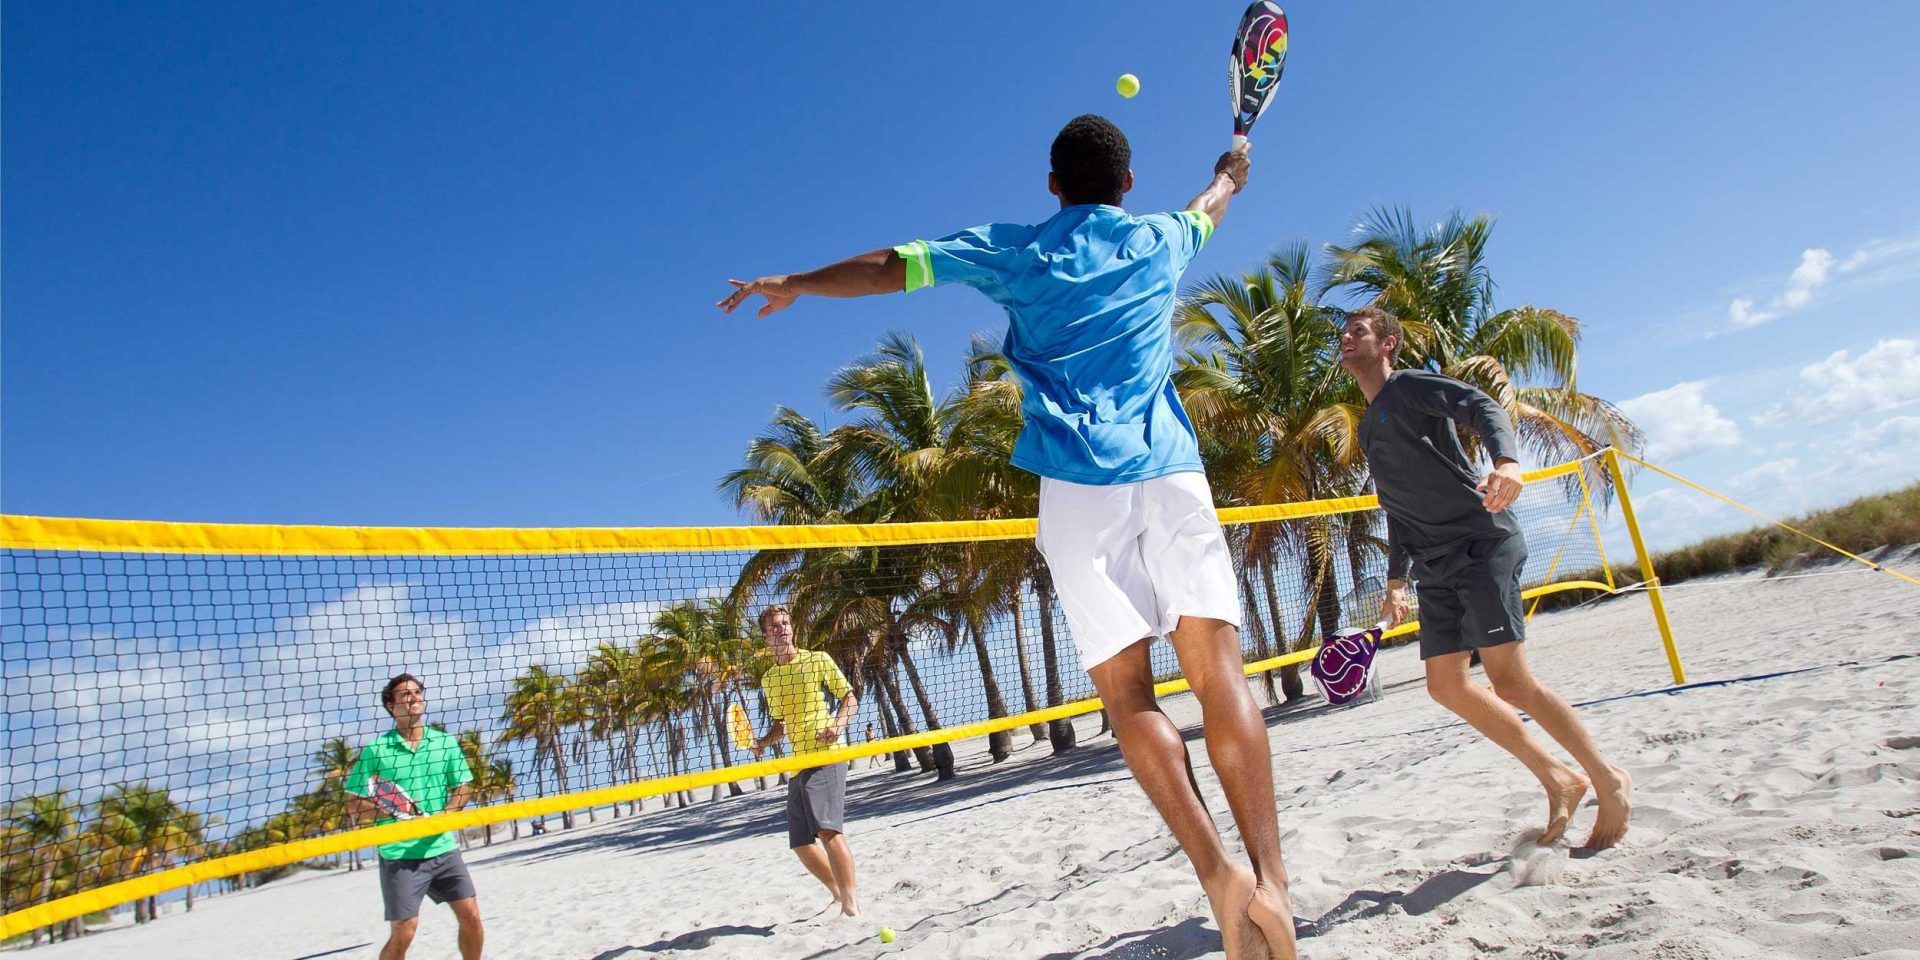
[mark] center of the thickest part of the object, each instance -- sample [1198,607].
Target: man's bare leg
[472,935]
[1514,681]
[1157,757]
[1242,757]
[1449,684]
[399,938]
[840,859]
[814,856]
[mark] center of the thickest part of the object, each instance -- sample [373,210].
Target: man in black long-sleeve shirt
[1452,530]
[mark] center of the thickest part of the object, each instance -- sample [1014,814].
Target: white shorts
[1130,560]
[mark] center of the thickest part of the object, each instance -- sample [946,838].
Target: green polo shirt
[428,773]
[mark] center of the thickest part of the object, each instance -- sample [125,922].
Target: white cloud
[1810,275]
[1743,315]
[1872,264]
[1770,474]
[1679,422]
[1884,377]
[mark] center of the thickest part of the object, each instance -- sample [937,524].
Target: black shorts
[1470,597]
[816,801]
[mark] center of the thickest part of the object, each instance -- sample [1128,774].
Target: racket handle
[1240,144]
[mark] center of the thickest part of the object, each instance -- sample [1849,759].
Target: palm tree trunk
[903,720]
[913,677]
[1038,730]
[999,743]
[889,727]
[1060,732]
[1290,686]
[1326,588]
[1262,643]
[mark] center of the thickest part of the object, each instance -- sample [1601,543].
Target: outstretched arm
[881,271]
[1229,178]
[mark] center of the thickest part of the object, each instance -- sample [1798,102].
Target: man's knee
[1521,692]
[401,932]
[467,911]
[1446,689]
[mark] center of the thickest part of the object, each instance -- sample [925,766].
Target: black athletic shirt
[1424,477]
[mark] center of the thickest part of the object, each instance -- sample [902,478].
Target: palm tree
[901,445]
[712,637]
[148,831]
[538,710]
[666,696]
[1436,280]
[1279,421]
[48,826]
[846,598]
[334,762]
[618,714]
[492,776]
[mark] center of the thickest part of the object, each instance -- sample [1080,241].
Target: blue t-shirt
[1090,296]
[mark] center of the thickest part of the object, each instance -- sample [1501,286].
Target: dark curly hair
[1090,160]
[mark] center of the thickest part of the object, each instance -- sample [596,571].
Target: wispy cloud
[1821,274]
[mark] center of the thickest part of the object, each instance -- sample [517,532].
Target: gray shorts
[1470,597]
[816,801]
[404,882]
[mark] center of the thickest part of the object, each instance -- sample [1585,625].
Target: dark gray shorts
[816,801]
[1470,598]
[404,882]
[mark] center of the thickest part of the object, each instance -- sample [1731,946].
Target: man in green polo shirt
[796,687]
[415,770]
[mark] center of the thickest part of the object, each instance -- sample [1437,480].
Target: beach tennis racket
[391,799]
[1343,669]
[1259,54]
[740,727]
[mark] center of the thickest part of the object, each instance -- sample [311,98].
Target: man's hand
[1501,487]
[1235,165]
[1393,607]
[776,289]
[828,735]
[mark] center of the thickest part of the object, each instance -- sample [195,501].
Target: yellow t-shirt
[793,697]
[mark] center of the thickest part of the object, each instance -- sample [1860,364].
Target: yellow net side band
[210,539]
[126,891]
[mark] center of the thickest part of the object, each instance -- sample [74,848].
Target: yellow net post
[1646,566]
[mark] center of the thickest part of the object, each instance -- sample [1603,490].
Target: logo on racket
[391,799]
[1344,664]
[1254,66]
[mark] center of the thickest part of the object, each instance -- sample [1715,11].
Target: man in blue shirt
[1127,523]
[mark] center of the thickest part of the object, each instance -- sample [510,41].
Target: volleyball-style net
[186,703]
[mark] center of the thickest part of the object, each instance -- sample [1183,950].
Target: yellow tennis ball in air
[1128,85]
[886,934]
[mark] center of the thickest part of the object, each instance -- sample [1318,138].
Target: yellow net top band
[251,539]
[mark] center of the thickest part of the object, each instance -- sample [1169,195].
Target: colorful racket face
[1259,54]
[391,798]
[740,726]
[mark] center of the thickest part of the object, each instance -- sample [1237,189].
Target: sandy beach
[1775,817]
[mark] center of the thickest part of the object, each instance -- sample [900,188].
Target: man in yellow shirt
[817,796]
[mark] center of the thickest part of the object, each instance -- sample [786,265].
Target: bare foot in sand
[1563,798]
[1230,896]
[1272,911]
[849,906]
[1616,807]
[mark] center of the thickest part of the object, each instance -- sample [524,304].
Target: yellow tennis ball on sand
[886,934]
[1128,85]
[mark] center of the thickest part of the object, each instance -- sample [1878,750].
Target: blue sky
[385,264]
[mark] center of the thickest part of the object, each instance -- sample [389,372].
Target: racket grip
[1240,144]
